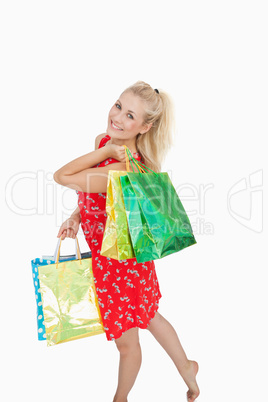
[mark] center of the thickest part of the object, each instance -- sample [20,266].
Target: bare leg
[130,363]
[166,335]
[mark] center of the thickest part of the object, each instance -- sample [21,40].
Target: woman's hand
[116,151]
[70,227]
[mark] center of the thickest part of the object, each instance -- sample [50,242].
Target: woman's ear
[146,128]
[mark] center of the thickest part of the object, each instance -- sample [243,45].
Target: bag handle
[57,251]
[130,159]
[138,164]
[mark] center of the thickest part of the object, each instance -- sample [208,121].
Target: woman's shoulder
[99,138]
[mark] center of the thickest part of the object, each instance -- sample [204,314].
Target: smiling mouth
[115,127]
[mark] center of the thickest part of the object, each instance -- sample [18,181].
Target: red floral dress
[128,292]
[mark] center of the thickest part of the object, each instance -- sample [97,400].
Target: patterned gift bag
[69,300]
[36,263]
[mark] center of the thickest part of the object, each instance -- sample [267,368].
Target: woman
[128,292]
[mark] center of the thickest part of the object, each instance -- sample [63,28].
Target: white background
[63,64]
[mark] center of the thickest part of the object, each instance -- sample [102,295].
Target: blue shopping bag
[46,260]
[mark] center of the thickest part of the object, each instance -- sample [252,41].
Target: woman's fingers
[66,230]
[65,233]
[60,233]
[71,233]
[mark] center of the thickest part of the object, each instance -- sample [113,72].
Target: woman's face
[125,118]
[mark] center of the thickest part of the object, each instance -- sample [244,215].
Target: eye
[118,106]
[131,117]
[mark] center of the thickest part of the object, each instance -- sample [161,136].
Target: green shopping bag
[157,221]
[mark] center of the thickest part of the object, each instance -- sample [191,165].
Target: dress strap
[104,140]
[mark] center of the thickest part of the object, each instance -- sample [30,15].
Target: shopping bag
[116,241]
[45,260]
[157,221]
[69,299]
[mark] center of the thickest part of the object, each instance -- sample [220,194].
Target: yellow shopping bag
[116,241]
[70,304]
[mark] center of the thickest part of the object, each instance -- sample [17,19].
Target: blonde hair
[154,145]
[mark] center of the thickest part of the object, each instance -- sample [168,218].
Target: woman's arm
[83,162]
[79,175]
[92,180]
[76,214]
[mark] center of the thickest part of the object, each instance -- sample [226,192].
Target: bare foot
[188,373]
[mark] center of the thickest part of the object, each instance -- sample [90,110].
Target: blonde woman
[128,292]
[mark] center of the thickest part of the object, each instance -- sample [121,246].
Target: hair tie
[156,90]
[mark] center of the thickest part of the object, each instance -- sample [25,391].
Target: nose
[117,121]
[117,117]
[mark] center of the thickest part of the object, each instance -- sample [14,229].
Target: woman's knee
[155,321]
[128,342]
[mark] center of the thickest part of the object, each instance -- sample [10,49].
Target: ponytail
[154,145]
